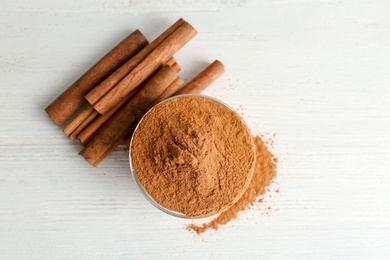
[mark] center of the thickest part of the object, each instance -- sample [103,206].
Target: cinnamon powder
[265,172]
[193,155]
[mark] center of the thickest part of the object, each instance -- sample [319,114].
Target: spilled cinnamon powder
[193,155]
[265,171]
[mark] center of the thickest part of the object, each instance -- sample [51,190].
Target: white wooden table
[314,73]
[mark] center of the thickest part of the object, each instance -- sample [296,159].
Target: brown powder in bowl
[193,155]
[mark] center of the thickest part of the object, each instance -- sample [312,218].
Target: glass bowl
[139,184]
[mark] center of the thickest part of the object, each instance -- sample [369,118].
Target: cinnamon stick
[171,61]
[78,119]
[111,134]
[91,129]
[104,87]
[83,125]
[85,135]
[203,79]
[73,98]
[146,67]
[169,91]
[176,67]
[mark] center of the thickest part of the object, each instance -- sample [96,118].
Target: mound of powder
[193,155]
[265,172]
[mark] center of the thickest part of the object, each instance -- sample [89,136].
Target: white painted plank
[315,74]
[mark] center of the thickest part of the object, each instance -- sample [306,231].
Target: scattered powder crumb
[265,172]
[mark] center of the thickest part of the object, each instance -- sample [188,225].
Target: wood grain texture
[315,74]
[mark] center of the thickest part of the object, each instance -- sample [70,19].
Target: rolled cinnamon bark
[87,129]
[103,88]
[203,79]
[146,67]
[83,125]
[86,135]
[73,98]
[169,91]
[78,119]
[111,133]
[171,61]
[176,67]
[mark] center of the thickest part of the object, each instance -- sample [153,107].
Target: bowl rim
[135,176]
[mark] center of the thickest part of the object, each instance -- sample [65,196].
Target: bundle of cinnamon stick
[103,107]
